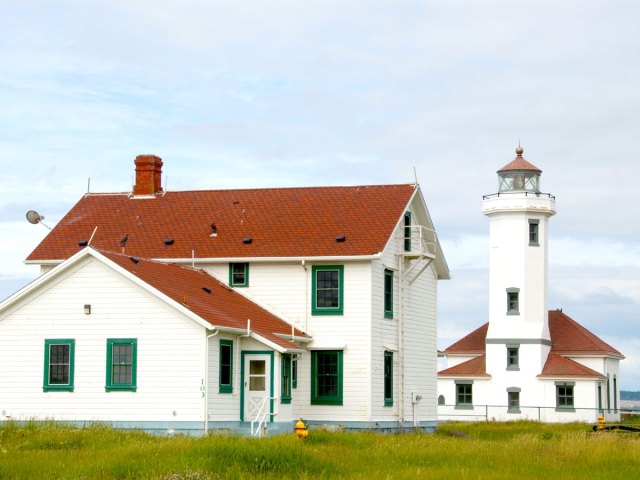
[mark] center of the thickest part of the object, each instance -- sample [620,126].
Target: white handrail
[260,418]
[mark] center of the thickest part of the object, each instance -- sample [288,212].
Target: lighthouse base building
[527,362]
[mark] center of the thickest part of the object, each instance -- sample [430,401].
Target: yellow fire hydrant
[601,422]
[301,430]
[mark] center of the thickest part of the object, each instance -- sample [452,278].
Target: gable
[192,292]
[269,223]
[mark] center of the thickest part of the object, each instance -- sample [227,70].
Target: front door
[257,384]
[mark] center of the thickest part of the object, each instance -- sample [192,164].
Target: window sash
[388,379]
[239,274]
[388,293]
[407,232]
[326,377]
[285,395]
[564,394]
[121,364]
[464,394]
[327,290]
[58,365]
[225,370]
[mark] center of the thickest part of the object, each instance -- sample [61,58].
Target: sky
[287,93]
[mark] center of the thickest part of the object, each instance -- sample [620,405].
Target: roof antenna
[91,238]
[88,184]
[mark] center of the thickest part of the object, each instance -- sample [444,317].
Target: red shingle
[221,307]
[472,344]
[559,366]
[282,222]
[569,337]
[476,367]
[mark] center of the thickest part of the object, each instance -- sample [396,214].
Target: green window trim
[122,362]
[59,359]
[285,383]
[388,293]
[330,293]
[225,370]
[294,371]
[388,378]
[326,377]
[407,232]
[238,275]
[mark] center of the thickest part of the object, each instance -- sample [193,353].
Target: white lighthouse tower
[518,334]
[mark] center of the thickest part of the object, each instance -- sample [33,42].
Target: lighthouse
[526,361]
[518,234]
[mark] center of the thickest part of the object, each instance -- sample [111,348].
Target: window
[513,360]
[533,233]
[121,364]
[388,293]
[327,290]
[600,398]
[407,232]
[388,379]
[285,396]
[464,397]
[239,274]
[58,365]
[326,377]
[513,304]
[564,395]
[294,371]
[513,400]
[608,394]
[615,394]
[225,382]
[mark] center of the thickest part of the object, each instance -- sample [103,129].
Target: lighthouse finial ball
[519,150]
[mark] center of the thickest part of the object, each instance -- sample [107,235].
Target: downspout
[306,296]
[401,338]
[206,381]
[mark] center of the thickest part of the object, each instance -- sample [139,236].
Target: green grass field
[514,450]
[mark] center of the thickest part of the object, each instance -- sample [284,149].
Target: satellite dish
[34,217]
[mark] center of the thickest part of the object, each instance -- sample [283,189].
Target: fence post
[486,413]
[539,414]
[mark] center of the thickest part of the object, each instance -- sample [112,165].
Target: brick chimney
[148,175]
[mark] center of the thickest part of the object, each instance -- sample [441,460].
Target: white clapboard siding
[351,331]
[279,287]
[420,335]
[170,351]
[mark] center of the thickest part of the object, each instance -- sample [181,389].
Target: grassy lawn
[462,451]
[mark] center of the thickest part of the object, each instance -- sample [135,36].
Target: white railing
[423,240]
[261,418]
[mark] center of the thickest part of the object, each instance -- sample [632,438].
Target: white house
[527,361]
[200,310]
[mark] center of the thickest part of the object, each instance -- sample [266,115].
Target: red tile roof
[568,338]
[471,344]
[476,367]
[519,163]
[221,306]
[281,222]
[559,366]
[571,338]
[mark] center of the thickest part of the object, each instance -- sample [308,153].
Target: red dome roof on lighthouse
[519,163]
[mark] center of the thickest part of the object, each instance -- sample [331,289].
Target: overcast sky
[236,94]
